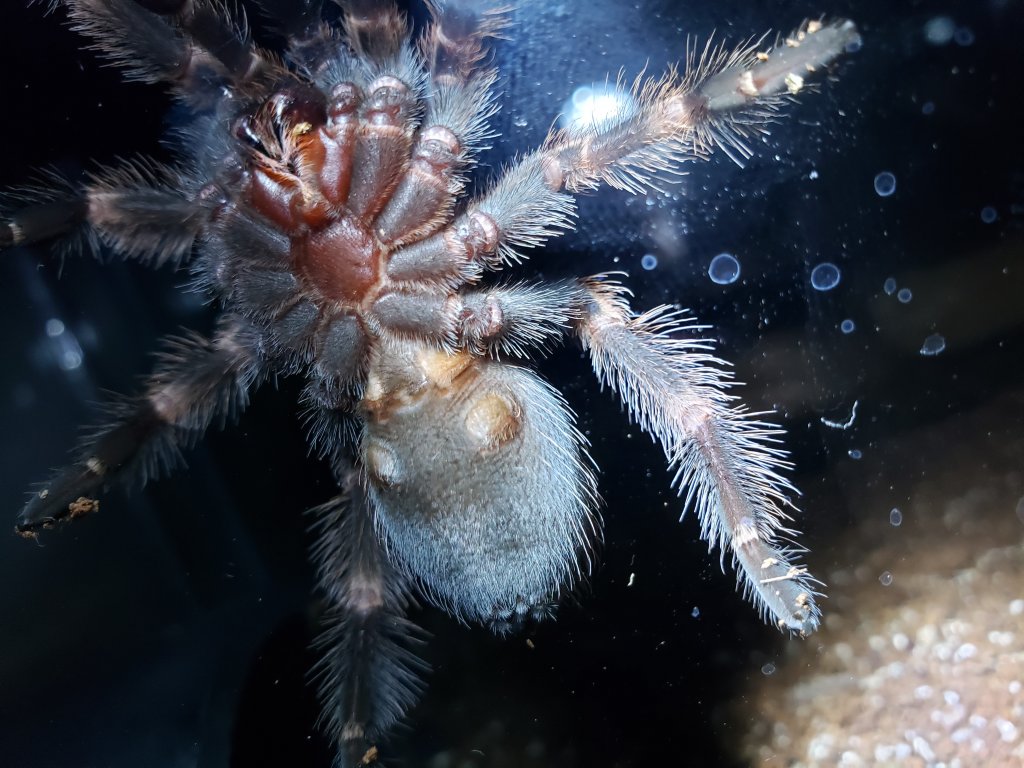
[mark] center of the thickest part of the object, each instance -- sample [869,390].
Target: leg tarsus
[197,381]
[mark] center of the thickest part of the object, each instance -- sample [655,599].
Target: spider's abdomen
[479,483]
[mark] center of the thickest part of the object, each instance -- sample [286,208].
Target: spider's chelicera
[320,200]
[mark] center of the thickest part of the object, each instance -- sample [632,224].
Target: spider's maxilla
[320,196]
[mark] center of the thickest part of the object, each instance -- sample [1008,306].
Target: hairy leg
[197,381]
[369,675]
[727,460]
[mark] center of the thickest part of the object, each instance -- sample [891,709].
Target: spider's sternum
[341,260]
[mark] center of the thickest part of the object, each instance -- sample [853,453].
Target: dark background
[171,629]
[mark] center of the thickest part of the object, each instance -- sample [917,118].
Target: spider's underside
[319,200]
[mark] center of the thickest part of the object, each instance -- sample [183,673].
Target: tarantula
[320,201]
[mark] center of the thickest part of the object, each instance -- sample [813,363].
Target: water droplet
[885,579]
[648,261]
[963,36]
[933,345]
[904,295]
[847,326]
[768,669]
[989,214]
[885,184]
[940,30]
[855,454]
[724,269]
[889,286]
[825,276]
[895,517]
[695,612]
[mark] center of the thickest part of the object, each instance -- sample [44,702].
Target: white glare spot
[904,295]
[54,327]
[939,31]
[885,184]
[847,326]
[885,579]
[595,105]
[825,276]
[724,269]
[989,214]
[649,261]
[895,517]
[933,345]
[695,612]
[812,175]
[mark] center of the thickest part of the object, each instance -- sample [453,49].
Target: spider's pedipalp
[368,674]
[727,461]
[197,381]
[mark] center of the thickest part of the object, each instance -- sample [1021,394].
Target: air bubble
[54,327]
[989,214]
[963,36]
[847,326]
[905,295]
[855,454]
[648,261]
[885,579]
[724,269]
[889,286]
[825,277]
[885,184]
[71,359]
[768,669]
[928,108]
[933,345]
[895,517]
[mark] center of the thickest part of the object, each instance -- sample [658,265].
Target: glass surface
[876,301]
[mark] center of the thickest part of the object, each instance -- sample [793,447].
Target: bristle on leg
[727,461]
